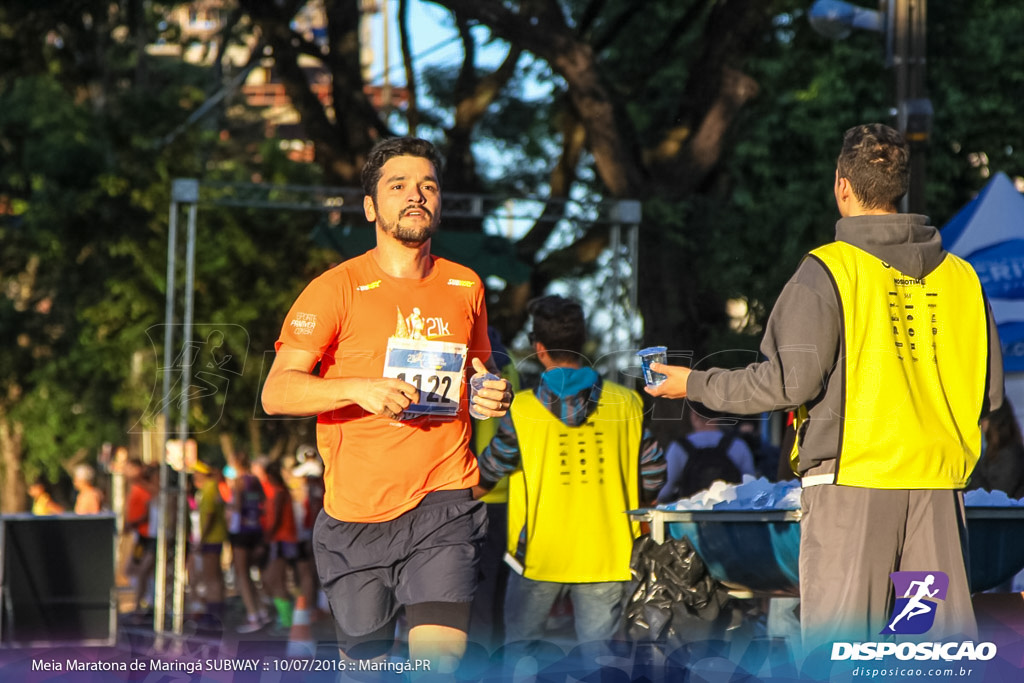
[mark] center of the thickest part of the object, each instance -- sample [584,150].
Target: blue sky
[434,40]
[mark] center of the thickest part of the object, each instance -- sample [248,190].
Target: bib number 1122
[434,384]
[435,368]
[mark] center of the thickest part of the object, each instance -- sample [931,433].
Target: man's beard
[410,234]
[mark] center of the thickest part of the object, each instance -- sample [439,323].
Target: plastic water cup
[476,383]
[653,354]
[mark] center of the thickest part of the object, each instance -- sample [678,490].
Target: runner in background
[89,499]
[310,470]
[42,498]
[245,530]
[213,532]
[281,538]
[142,559]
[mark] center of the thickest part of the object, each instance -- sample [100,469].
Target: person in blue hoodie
[577,456]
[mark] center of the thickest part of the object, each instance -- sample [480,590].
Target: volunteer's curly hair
[876,160]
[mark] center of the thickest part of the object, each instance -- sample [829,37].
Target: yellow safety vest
[568,500]
[914,363]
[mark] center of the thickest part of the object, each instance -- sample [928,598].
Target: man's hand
[494,399]
[387,396]
[674,386]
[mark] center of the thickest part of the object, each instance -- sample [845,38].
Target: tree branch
[473,96]
[578,257]
[562,177]
[589,15]
[617,26]
[573,60]
[714,94]
[412,112]
[223,38]
[675,32]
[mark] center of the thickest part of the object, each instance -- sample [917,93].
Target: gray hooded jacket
[802,339]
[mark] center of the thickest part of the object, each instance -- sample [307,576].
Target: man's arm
[291,389]
[502,456]
[801,344]
[995,363]
[653,468]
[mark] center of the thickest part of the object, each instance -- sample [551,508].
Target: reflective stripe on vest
[915,364]
[569,499]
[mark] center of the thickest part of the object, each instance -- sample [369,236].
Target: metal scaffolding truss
[616,289]
[349,200]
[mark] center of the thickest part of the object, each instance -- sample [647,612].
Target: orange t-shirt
[376,468]
[286,529]
[138,508]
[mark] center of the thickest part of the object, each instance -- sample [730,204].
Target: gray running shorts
[427,555]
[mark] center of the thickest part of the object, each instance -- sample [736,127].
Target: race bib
[433,367]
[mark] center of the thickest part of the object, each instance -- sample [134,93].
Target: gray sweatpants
[852,538]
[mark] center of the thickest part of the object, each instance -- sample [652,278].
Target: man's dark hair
[558,325]
[876,160]
[396,147]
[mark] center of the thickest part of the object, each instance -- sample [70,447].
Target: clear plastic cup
[653,354]
[476,383]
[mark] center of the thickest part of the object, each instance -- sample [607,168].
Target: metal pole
[630,212]
[183,191]
[907,36]
[160,574]
[634,256]
[178,623]
[917,119]
[627,213]
[614,293]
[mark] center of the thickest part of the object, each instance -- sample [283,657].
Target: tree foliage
[88,156]
[722,116]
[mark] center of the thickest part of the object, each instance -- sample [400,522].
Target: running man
[400,526]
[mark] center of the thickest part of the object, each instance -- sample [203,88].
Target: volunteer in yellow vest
[578,458]
[885,343]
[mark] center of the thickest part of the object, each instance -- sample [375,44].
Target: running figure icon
[916,605]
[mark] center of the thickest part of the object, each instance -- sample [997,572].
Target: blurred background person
[89,498]
[245,531]
[137,521]
[213,532]
[42,498]
[1001,467]
[710,452]
[766,454]
[280,536]
[310,470]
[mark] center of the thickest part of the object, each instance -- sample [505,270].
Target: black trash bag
[673,599]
